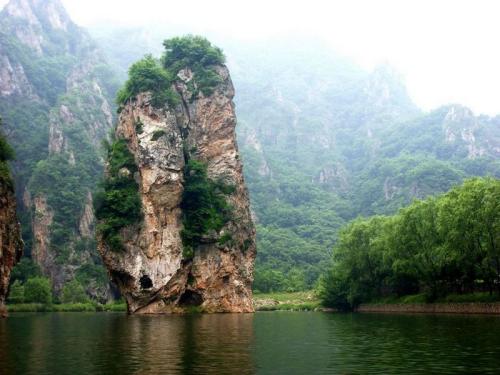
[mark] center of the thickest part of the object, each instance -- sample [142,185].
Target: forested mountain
[56,98]
[324,141]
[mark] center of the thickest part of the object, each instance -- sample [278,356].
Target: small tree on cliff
[6,154]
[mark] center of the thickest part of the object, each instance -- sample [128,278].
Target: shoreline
[291,304]
[472,308]
[65,307]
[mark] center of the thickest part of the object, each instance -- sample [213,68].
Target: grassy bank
[472,303]
[66,307]
[483,297]
[297,301]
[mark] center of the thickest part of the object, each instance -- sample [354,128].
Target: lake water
[261,343]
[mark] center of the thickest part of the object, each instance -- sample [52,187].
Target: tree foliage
[204,207]
[151,75]
[147,75]
[197,54]
[16,292]
[73,292]
[24,270]
[38,290]
[6,154]
[118,203]
[437,246]
[6,151]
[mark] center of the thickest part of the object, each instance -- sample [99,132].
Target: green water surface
[261,343]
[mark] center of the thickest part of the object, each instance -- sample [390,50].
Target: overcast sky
[447,50]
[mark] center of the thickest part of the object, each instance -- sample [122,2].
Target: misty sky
[447,50]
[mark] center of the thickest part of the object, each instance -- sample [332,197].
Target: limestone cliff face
[151,272]
[56,116]
[11,245]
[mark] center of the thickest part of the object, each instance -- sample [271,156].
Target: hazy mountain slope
[323,141]
[56,95]
[308,118]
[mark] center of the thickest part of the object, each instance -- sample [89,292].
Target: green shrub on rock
[197,54]
[147,75]
[204,206]
[118,203]
[6,154]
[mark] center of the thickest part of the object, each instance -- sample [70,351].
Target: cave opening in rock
[145,282]
[122,278]
[190,298]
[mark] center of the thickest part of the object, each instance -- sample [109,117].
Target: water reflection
[264,343]
[117,344]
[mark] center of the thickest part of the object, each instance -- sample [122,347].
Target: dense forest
[449,244]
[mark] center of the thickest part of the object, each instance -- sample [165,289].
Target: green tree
[335,291]
[16,294]
[117,202]
[25,270]
[73,292]
[38,290]
[359,254]
[268,280]
[197,54]
[147,75]
[189,51]
[469,217]
[416,235]
[204,206]
[6,154]
[437,246]
[6,151]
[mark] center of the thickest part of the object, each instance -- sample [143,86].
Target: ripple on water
[262,343]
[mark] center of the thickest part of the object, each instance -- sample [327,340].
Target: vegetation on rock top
[197,54]
[147,75]
[157,77]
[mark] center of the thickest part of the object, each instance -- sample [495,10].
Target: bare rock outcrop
[11,245]
[152,273]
